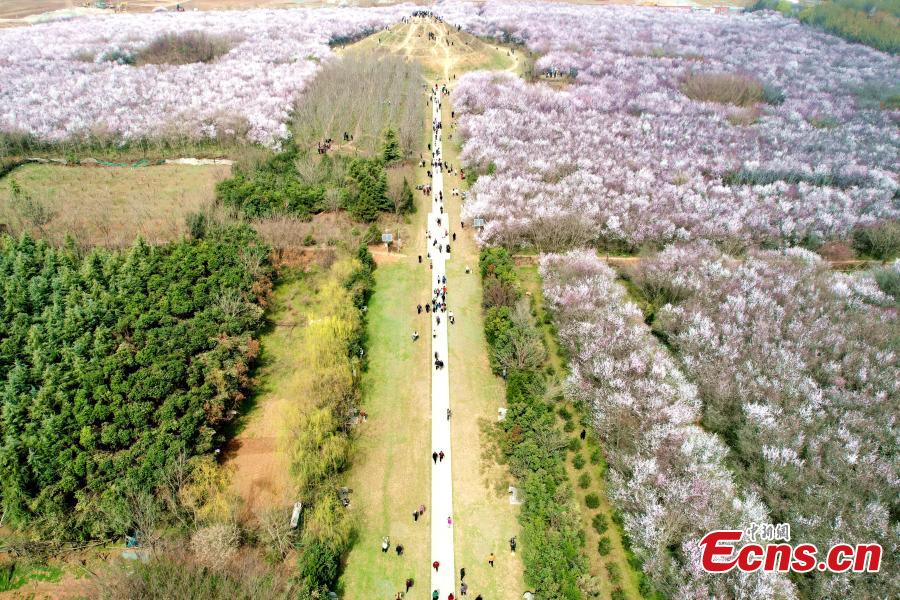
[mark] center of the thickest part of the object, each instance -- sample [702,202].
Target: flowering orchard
[809,403]
[59,82]
[623,156]
[667,476]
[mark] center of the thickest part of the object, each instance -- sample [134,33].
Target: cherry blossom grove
[620,155]
[55,82]
[810,400]
[668,477]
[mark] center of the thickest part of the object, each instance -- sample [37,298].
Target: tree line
[298,183]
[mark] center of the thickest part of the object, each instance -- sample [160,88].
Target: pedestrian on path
[419,309]
[450,596]
[491,559]
[385,544]
[399,549]
[434,456]
[421,509]
[441,455]
[512,544]
[463,588]
[462,573]
[409,583]
[435,595]
[415,335]
[415,515]
[449,414]
[436,565]
[449,521]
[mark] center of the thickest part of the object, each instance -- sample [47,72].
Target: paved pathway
[444,579]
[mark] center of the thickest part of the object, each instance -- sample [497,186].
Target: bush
[881,241]
[888,279]
[574,445]
[318,565]
[563,412]
[604,546]
[596,456]
[214,546]
[724,88]
[600,523]
[584,481]
[197,224]
[182,49]
[569,426]
[578,462]
[618,594]
[613,572]
[592,500]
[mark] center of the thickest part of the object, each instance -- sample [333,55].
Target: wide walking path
[438,240]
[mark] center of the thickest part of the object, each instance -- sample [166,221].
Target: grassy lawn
[594,466]
[111,206]
[480,497]
[390,476]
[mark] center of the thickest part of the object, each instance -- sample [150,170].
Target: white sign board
[387,238]
[478,222]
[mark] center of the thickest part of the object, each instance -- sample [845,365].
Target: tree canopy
[115,364]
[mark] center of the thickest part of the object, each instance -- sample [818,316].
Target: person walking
[462,573]
[491,559]
[421,509]
[385,544]
[435,595]
[450,596]
[409,584]
[436,565]
[583,434]
[416,516]
[434,456]
[399,549]
[512,544]
[463,588]
[449,521]
[441,456]
[419,309]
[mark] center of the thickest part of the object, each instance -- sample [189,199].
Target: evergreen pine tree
[390,151]
[407,203]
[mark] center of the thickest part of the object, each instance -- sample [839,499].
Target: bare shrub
[215,545]
[176,575]
[723,88]
[183,49]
